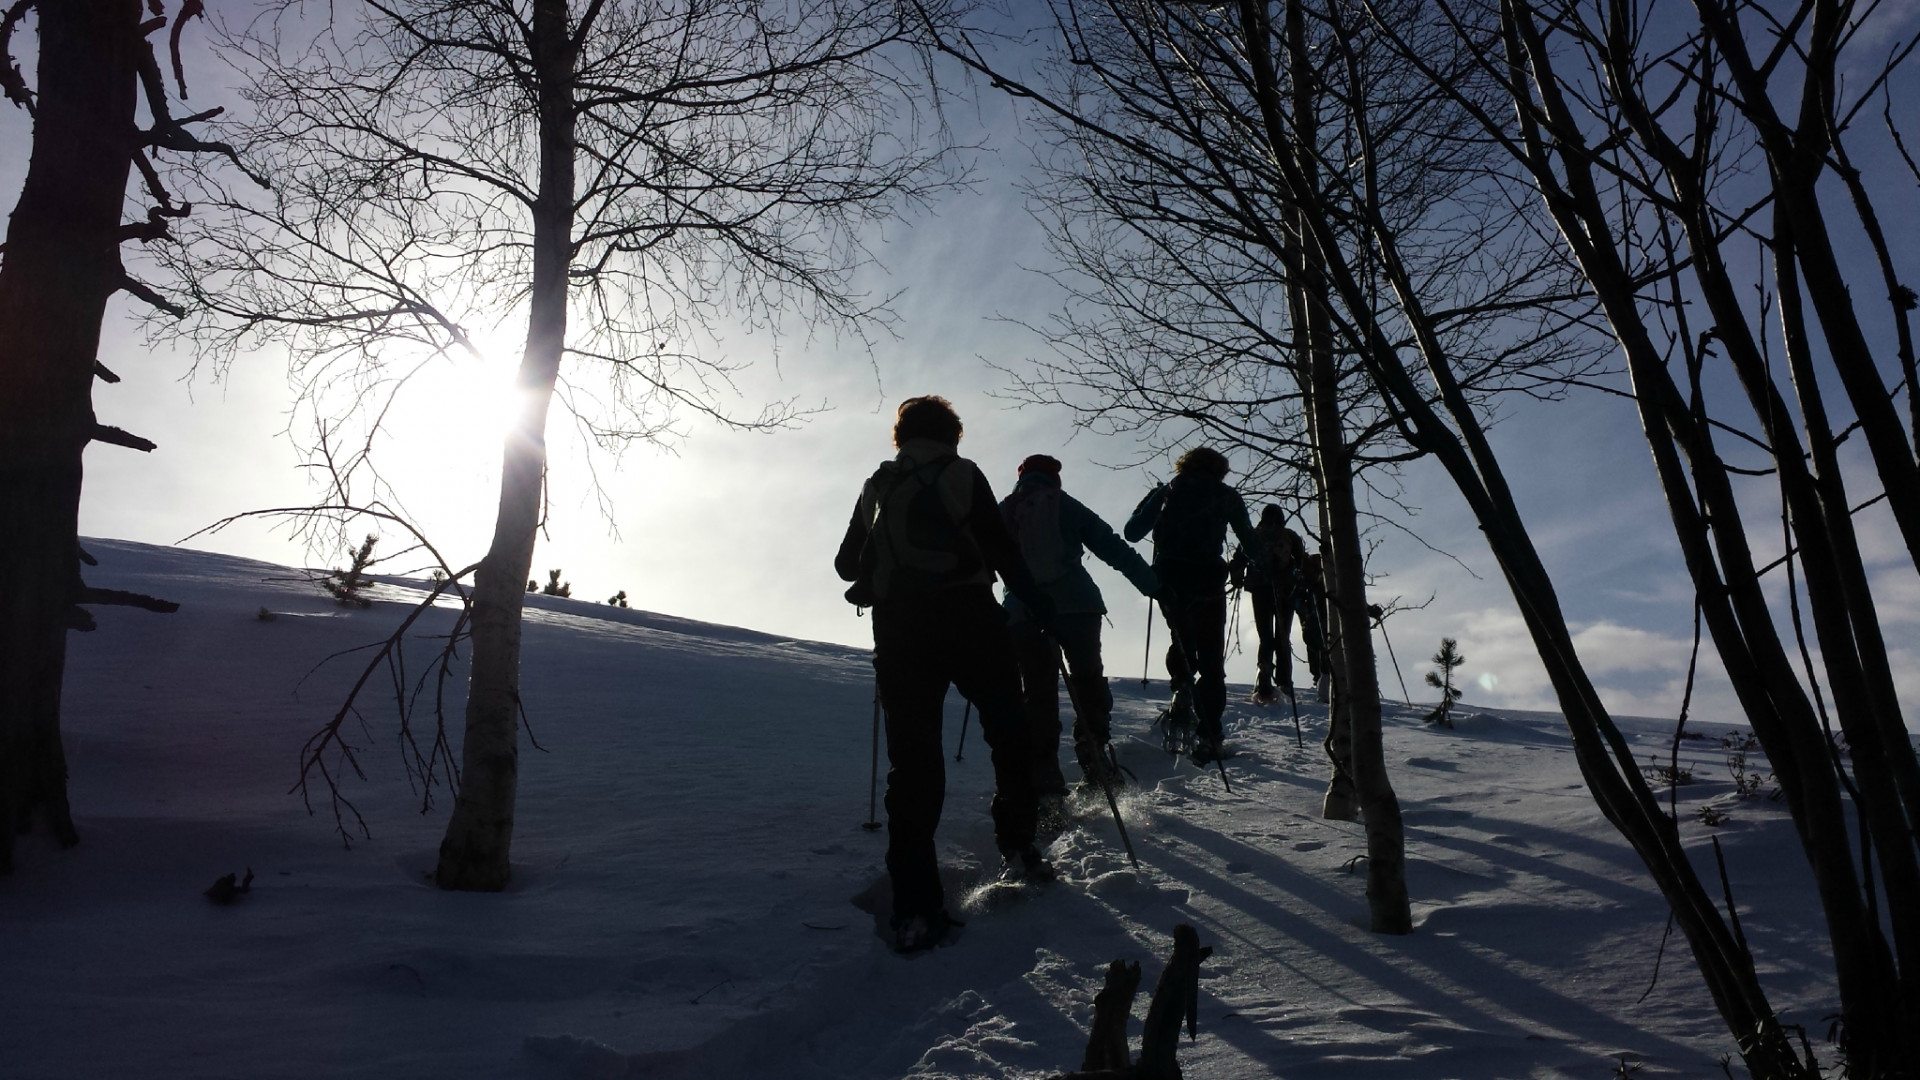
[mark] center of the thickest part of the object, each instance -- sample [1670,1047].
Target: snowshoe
[918,933]
[1024,874]
[1262,695]
[1026,866]
[1178,723]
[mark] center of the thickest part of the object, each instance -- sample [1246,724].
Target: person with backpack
[1188,518]
[1271,589]
[922,549]
[1310,602]
[1053,529]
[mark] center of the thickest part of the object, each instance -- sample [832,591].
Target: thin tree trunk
[1796,155]
[1356,679]
[1876,1009]
[61,265]
[1341,801]
[1312,340]
[1351,661]
[476,851]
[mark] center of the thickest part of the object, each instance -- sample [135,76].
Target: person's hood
[921,451]
[1033,479]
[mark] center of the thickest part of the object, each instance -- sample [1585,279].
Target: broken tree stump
[1107,1042]
[1176,997]
[1176,1000]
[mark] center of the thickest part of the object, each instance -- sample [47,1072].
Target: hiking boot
[1097,770]
[1053,815]
[1027,866]
[1206,750]
[918,933]
[1263,694]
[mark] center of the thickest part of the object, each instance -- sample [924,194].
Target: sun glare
[442,451]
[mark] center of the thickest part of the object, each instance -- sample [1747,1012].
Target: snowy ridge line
[396,589]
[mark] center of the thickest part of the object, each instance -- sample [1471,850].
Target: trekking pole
[1107,778]
[1295,702]
[965,715]
[1146,651]
[1233,627]
[1193,673]
[1380,620]
[872,824]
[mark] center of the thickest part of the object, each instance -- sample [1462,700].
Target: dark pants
[1273,622]
[921,645]
[1313,631]
[1197,621]
[1079,637]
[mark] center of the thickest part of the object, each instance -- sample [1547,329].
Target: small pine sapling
[556,587]
[1448,659]
[618,599]
[345,585]
[532,585]
[1747,781]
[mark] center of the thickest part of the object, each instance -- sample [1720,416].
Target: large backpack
[915,542]
[1278,547]
[1033,516]
[1189,532]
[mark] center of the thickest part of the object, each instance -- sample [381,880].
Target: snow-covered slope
[689,840]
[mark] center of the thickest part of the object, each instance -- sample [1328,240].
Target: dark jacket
[1059,572]
[1188,539]
[941,530]
[1282,554]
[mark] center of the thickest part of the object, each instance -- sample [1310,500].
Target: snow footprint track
[982,1008]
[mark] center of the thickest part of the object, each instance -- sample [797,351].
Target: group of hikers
[926,541]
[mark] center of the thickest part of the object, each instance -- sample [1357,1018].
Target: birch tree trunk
[475,853]
[1361,763]
[61,265]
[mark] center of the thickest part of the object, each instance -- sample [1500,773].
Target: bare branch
[12,82]
[122,598]
[108,434]
[189,9]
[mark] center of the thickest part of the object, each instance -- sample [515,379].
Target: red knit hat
[1040,463]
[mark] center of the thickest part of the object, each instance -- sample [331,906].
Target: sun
[441,442]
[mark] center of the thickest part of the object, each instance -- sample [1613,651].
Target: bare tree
[60,267]
[617,173]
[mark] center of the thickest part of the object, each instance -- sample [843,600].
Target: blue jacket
[1066,580]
